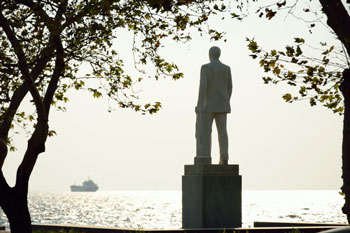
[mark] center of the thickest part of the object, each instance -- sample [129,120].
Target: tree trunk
[14,204]
[345,89]
[13,201]
[338,19]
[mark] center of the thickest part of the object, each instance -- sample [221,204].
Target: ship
[88,186]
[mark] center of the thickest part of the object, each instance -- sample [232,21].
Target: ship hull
[78,188]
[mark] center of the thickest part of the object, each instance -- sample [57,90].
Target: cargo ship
[88,186]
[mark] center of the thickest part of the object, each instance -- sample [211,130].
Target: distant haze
[277,145]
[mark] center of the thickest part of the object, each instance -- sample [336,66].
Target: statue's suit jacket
[215,87]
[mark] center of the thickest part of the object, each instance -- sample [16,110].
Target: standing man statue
[215,91]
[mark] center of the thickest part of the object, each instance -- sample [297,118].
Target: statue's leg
[203,134]
[207,129]
[220,120]
[198,135]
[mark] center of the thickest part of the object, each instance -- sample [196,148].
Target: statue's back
[219,85]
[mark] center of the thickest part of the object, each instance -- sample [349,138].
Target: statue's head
[214,53]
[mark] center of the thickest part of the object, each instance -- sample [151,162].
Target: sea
[162,209]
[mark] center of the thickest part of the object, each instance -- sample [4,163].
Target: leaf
[299,51]
[294,60]
[234,15]
[287,97]
[339,110]
[302,91]
[290,51]
[52,133]
[270,13]
[267,80]
[321,69]
[291,83]
[253,46]
[178,76]
[325,52]
[299,40]
[272,63]
[312,101]
[22,114]
[169,68]
[97,94]
[262,62]
[276,70]
[279,5]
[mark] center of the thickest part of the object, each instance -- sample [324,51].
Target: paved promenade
[302,228]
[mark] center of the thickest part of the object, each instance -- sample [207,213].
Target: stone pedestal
[211,195]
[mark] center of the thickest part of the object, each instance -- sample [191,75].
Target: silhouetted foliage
[43,44]
[323,77]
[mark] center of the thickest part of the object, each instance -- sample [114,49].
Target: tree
[43,43]
[322,79]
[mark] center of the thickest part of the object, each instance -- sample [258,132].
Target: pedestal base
[211,196]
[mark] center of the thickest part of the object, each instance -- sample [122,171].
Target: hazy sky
[277,145]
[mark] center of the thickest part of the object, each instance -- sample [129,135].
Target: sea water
[162,209]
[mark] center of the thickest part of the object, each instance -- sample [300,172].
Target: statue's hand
[199,109]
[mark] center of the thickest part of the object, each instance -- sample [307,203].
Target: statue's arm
[203,85]
[229,82]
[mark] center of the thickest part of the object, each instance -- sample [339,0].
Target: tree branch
[21,92]
[59,63]
[36,144]
[59,66]
[38,10]
[23,66]
[18,96]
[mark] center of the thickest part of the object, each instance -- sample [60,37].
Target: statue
[215,91]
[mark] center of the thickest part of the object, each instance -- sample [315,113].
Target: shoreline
[259,227]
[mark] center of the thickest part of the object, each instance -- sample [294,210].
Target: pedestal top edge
[212,169]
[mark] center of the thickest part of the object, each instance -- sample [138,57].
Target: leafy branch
[317,79]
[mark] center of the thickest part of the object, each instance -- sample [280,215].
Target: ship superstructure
[88,186]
